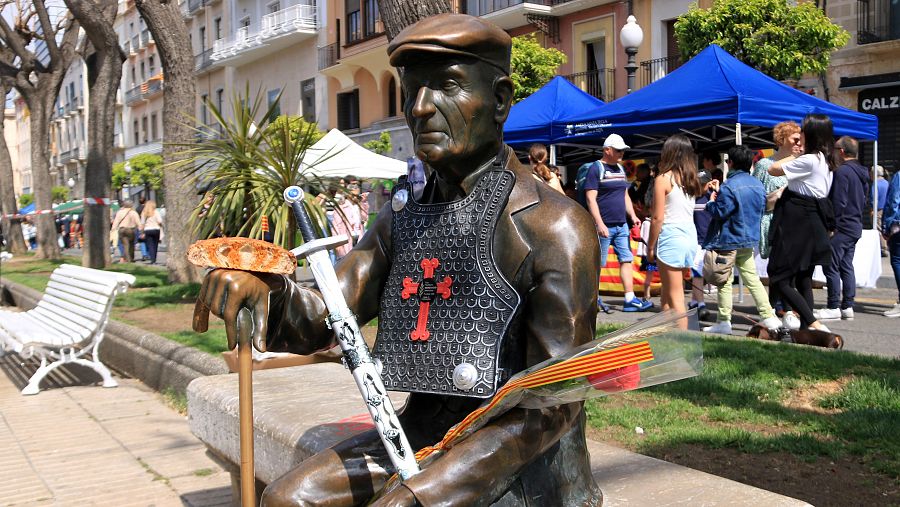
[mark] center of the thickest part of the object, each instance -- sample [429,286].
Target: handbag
[772,198]
[718,266]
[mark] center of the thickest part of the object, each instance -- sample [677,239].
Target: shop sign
[880,100]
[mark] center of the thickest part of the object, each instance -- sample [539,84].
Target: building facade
[68,131]
[865,74]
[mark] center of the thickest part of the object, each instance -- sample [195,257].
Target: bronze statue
[488,272]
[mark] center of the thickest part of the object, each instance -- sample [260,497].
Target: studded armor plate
[446,306]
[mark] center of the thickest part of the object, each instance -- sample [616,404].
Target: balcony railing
[296,18]
[651,70]
[484,7]
[133,95]
[194,5]
[203,60]
[151,88]
[135,42]
[877,21]
[68,156]
[146,38]
[328,55]
[600,83]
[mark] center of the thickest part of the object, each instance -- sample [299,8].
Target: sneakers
[791,321]
[771,323]
[827,314]
[723,327]
[833,314]
[603,306]
[636,305]
[893,312]
[822,327]
[699,305]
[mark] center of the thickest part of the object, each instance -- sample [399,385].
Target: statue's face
[451,108]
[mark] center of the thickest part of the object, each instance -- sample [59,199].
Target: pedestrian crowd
[802,207]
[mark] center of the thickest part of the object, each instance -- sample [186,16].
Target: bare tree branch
[48,29]
[15,42]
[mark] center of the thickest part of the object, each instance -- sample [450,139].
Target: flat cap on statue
[452,34]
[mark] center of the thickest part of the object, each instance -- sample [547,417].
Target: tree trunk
[40,105]
[12,228]
[164,19]
[398,14]
[104,67]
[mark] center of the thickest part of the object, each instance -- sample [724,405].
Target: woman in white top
[152,222]
[673,238]
[803,216]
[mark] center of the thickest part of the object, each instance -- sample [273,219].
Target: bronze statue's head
[455,75]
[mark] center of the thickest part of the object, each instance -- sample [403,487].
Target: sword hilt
[293,195]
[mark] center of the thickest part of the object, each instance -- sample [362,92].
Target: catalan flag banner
[265,223]
[648,353]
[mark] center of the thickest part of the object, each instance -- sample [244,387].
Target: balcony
[877,21]
[653,70]
[328,55]
[600,83]
[146,147]
[68,156]
[509,14]
[133,95]
[135,43]
[152,87]
[278,30]
[195,5]
[203,60]
[146,38]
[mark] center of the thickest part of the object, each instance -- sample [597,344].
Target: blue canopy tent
[27,209]
[714,92]
[542,117]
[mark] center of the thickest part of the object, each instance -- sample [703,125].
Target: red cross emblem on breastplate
[427,291]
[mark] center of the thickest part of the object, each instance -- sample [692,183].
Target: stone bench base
[302,410]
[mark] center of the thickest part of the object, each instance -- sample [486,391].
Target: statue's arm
[297,316]
[560,314]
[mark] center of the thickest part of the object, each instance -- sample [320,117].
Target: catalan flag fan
[648,353]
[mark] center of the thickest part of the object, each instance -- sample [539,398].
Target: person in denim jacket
[890,229]
[737,208]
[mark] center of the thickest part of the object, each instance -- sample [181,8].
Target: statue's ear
[503,91]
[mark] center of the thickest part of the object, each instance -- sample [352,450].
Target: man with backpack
[605,187]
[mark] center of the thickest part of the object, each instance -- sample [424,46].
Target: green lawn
[759,397]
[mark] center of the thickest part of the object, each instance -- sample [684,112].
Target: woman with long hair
[537,156]
[673,237]
[152,222]
[803,216]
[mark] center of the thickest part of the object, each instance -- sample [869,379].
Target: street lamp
[71,184]
[631,37]
[127,188]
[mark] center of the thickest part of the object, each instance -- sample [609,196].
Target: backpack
[580,177]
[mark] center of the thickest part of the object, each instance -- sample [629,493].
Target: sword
[357,357]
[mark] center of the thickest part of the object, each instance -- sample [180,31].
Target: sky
[56,9]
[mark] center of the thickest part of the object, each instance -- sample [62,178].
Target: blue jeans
[839,275]
[620,238]
[894,249]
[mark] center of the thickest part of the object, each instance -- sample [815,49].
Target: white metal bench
[68,322]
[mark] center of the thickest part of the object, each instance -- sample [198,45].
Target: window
[146,136]
[137,134]
[131,29]
[308,99]
[143,72]
[133,76]
[348,110]
[152,66]
[217,26]
[204,117]
[202,35]
[354,30]
[273,7]
[392,97]
[370,8]
[245,22]
[272,98]
[220,99]
[154,131]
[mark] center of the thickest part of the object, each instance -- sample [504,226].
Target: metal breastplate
[446,307]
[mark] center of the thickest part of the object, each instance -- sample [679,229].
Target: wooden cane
[245,407]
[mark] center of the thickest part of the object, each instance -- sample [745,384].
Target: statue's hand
[398,497]
[225,292]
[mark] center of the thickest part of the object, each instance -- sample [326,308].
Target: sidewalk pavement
[75,445]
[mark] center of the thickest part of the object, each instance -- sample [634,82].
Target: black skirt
[799,235]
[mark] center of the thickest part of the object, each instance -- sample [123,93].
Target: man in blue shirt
[737,209]
[606,193]
[848,198]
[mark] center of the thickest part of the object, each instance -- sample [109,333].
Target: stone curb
[158,362]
